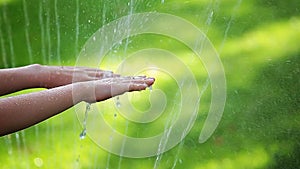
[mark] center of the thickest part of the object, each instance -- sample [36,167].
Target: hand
[99,90]
[54,76]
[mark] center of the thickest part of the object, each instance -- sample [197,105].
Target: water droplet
[118,103]
[82,134]
[236,92]
[87,109]
[150,88]
[180,161]
[115,30]
[94,38]
[89,21]
[38,162]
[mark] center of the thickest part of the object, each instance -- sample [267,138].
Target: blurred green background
[258,43]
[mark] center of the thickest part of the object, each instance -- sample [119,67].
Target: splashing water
[166,134]
[57,23]
[77,26]
[3,50]
[234,11]
[41,21]
[87,109]
[48,32]
[9,32]
[27,24]
[46,42]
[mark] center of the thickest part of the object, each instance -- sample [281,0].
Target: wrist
[83,91]
[36,75]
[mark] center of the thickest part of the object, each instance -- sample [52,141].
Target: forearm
[16,79]
[22,111]
[36,75]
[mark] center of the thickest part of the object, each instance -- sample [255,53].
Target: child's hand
[99,90]
[54,76]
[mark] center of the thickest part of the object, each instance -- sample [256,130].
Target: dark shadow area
[288,161]
[273,117]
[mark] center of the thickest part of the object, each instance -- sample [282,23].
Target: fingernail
[152,78]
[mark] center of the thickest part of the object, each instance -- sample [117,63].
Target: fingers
[134,80]
[93,74]
[111,87]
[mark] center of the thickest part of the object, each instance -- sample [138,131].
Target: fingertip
[150,81]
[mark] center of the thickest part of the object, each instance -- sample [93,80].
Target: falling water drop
[150,88]
[87,109]
[180,161]
[88,106]
[118,103]
[82,134]
[94,38]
